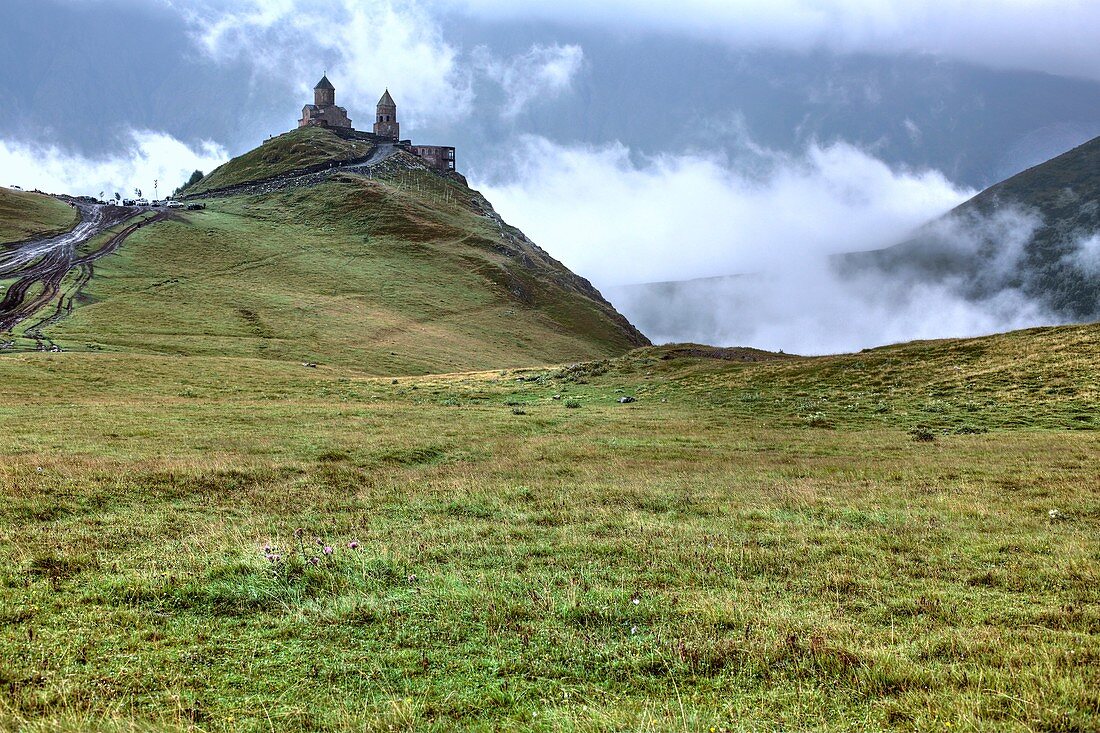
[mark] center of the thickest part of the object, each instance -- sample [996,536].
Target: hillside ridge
[306,254]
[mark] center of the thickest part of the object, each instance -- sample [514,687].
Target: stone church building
[324,113]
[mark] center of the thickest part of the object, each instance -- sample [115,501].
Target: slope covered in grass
[401,273]
[751,545]
[26,215]
[301,148]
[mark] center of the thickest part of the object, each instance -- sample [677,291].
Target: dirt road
[39,266]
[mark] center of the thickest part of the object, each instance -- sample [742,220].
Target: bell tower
[385,121]
[324,94]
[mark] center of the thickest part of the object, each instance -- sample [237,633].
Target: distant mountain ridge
[1036,232]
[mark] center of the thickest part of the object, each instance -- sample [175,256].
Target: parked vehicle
[16,188]
[127,202]
[196,207]
[141,202]
[175,205]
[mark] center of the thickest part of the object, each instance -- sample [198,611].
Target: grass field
[905,538]
[26,215]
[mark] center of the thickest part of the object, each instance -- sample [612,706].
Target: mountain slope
[1036,234]
[402,272]
[24,215]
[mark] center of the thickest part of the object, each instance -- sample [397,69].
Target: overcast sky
[635,140]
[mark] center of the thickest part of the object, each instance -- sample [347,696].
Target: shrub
[922,434]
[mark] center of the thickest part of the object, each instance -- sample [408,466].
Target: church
[324,113]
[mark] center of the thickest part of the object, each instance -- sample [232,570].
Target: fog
[618,220]
[776,220]
[812,310]
[150,156]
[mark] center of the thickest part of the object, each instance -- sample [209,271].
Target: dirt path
[39,267]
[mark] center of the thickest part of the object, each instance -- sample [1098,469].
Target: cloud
[1055,36]
[150,156]
[1085,256]
[811,310]
[682,216]
[965,276]
[777,219]
[369,45]
[542,72]
[365,47]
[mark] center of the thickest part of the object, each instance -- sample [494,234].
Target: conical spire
[325,84]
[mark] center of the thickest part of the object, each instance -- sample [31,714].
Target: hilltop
[388,267]
[299,150]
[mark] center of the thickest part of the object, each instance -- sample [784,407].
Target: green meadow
[904,539]
[361,457]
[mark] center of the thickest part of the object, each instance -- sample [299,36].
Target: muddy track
[39,267]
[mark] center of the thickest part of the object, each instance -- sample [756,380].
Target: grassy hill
[301,148]
[1034,233]
[26,215]
[901,539]
[407,272]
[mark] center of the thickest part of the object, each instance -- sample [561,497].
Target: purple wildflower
[314,560]
[328,550]
[353,545]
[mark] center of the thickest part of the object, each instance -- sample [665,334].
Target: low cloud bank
[150,156]
[812,310]
[620,222]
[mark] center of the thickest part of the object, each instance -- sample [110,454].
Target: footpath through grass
[900,539]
